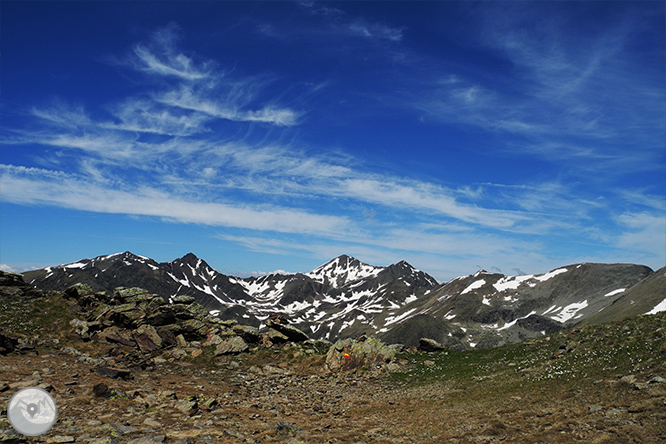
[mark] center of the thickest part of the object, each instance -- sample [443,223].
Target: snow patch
[393,319]
[184,282]
[658,308]
[570,311]
[474,285]
[410,298]
[511,282]
[614,292]
[550,274]
[512,323]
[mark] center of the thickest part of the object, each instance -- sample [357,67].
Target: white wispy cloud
[162,57]
[229,106]
[7,268]
[375,30]
[199,86]
[577,99]
[284,172]
[147,116]
[642,234]
[37,186]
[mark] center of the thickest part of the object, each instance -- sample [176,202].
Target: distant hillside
[346,297]
[648,296]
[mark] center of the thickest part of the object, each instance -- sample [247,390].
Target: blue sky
[262,136]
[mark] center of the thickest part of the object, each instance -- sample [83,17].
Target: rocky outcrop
[131,320]
[365,353]
[292,333]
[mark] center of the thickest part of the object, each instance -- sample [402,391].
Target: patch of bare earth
[244,400]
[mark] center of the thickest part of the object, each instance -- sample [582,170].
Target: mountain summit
[343,270]
[346,297]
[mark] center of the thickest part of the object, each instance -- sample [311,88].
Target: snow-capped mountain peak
[343,270]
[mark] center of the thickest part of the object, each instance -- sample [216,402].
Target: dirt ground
[245,400]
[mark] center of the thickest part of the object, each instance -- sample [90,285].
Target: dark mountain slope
[641,298]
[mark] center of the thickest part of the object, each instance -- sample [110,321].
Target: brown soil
[261,399]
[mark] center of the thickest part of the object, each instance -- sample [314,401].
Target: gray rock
[119,430]
[234,433]
[188,406]
[291,332]
[348,354]
[151,333]
[61,438]
[148,439]
[629,379]
[247,332]
[235,344]
[184,299]
[118,373]
[284,428]
[81,327]
[274,337]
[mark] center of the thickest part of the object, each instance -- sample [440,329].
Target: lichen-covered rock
[78,290]
[349,354]
[273,337]
[81,327]
[147,323]
[233,345]
[132,295]
[247,332]
[147,338]
[126,315]
[9,279]
[183,299]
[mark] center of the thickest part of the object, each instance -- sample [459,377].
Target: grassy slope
[589,385]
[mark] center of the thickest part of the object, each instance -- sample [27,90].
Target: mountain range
[346,297]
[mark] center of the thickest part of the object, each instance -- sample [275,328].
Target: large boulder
[349,354]
[291,332]
[7,344]
[8,279]
[430,345]
[233,345]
